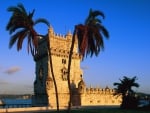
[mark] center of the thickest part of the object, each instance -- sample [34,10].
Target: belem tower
[44,92]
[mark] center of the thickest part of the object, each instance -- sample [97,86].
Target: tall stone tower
[44,92]
[43,86]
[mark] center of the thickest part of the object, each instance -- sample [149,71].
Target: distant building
[2,104]
[44,92]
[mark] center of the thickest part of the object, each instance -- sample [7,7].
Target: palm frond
[125,85]
[103,30]
[89,16]
[116,84]
[92,16]
[21,37]
[42,20]
[14,9]
[22,9]
[97,13]
[15,37]
[30,15]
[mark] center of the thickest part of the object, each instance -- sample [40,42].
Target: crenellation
[99,91]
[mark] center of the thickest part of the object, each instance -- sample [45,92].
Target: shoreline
[46,109]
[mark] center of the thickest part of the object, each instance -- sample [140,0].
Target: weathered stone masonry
[43,86]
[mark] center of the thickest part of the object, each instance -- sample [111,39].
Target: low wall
[34,109]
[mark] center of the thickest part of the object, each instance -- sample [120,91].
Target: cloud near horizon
[13,70]
[1,68]
[2,82]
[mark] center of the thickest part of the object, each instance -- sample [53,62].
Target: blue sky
[126,53]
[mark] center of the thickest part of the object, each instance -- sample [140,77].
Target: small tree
[124,88]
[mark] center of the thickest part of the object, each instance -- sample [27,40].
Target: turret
[81,86]
[49,83]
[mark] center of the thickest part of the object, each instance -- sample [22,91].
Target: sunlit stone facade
[44,91]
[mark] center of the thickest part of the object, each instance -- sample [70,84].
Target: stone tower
[44,92]
[43,86]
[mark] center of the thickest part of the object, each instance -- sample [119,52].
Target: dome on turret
[51,29]
[81,86]
[81,83]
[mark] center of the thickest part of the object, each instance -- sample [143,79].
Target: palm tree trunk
[69,68]
[55,85]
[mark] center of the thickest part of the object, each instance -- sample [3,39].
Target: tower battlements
[59,45]
[59,41]
[99,90]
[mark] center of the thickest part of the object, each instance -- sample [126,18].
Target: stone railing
[99,91]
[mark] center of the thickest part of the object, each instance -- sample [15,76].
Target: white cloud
[13,70]
[85,67]
[3,82]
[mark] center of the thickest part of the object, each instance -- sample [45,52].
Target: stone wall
[98,96]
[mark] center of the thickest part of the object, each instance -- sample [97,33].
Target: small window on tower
[63,61]
[64,74]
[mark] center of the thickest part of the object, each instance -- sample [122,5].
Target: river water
[11,103]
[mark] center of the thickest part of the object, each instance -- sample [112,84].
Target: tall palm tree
[90,39]
[124,88]
[22,25]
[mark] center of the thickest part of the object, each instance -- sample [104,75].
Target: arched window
[63,61]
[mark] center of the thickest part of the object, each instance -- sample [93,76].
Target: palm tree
[22,25]
[90,40]
[124,89]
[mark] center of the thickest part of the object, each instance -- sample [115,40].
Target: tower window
[98,101]
[91,101]
[63,61]
[64,73]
